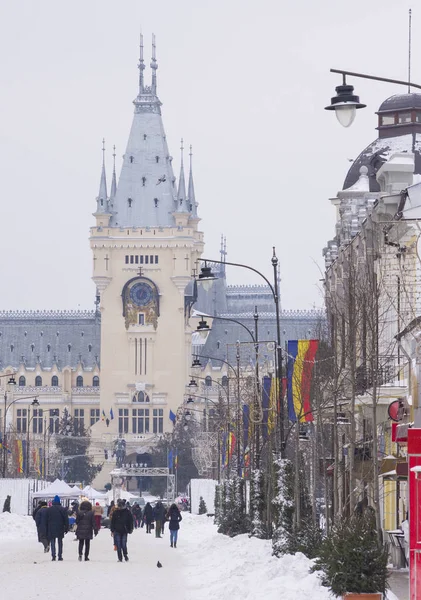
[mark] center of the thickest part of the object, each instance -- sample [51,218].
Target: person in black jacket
[148,516]
[41,522]
[57,526]
[86,527]
[174,517]
[121,526]
[158,515]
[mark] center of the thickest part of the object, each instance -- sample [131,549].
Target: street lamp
[203,329]
[207,276]
[345,103]
[192,384]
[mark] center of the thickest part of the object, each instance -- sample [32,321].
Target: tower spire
[181,196]
[102,196]
[154,65]
[141,66]
[191,195]
[114,179]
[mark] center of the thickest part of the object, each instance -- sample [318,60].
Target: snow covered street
[205,565]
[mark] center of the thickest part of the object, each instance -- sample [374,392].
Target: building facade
[121,369]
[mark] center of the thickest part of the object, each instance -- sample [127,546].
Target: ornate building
[121,368]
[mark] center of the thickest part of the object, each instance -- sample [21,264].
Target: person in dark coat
[109,509]
[41,523]
[86,527]
[174,518]
[36,509]
[148,516]
[137,515]
[158,515]
[121,525]
[57,526]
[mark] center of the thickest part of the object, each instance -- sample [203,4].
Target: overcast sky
[245,82]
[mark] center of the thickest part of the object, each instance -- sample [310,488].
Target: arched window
[22,381]
[79,381]
[95,381]
[38,381]
[224,381]
[141,397]
[54,381]
[208,381]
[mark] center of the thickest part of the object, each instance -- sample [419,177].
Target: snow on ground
[205,565]
[13,526]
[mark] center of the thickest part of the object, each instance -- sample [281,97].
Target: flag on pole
[103,415]
[19,454]
[4,445]
[111,414]
[172,417]
[301,355]
[170,459]
[176,459]
[266,385]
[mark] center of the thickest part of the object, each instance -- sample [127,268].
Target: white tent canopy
[93,494]
[123,494]
[57,488]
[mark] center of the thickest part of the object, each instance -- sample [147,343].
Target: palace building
[121,368]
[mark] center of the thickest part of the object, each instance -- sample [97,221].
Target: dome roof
[400,102]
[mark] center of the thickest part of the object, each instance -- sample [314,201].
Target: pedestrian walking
[121,526]
[174,518]
[98,512]
[148,516]
[86,527]
[158,516]
[41,523]
[110,508]
[57,527]
[137,515]
[39,505]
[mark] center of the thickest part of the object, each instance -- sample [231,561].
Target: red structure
[414,464]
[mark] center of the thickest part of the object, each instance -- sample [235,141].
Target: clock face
[141,294]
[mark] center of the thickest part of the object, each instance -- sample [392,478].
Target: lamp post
[206,277]
[345,103]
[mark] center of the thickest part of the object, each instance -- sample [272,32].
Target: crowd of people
[54,521]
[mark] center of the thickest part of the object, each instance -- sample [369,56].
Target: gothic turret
[113,182]
[191,195]
[146,194]
[181,195]
[102,198]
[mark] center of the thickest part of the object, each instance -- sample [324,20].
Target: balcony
[387,374]
[87,390]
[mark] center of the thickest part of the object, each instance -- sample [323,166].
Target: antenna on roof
[409,49]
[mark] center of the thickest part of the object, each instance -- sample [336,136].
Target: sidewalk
[399,583]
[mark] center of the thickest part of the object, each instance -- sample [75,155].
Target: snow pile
[224,568]
[14,526]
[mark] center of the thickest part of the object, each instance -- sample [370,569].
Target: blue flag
[172,417]
[170,459]
[111,414]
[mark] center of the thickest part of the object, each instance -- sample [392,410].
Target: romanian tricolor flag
[103,415]
[301,355]
[19,454]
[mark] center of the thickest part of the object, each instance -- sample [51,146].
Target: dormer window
[156,202]
[129,202]
[143,181]
[388,119]
[144,136]
[131,159]
[102,202]
[404,117]
[157,159]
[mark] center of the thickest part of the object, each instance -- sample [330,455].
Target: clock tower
[145,244]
